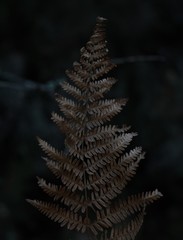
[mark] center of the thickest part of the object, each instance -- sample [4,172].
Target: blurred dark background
[39,40]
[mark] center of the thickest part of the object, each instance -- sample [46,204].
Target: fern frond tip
[101,19]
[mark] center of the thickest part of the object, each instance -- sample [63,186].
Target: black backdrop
[38,41]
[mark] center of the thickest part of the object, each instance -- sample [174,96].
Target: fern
[96,167]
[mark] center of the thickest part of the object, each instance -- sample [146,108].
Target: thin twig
[9,80]
[134,59]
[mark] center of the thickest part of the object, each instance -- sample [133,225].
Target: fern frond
[72,199]
[71,179]
[63,161]
[134,203]
[107,217]
[72,90]
[129,232]
[97,163]
[60,215]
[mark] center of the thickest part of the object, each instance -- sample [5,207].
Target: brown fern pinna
[95,166]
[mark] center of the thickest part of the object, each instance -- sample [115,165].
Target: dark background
[38,41]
